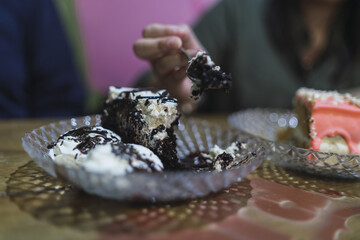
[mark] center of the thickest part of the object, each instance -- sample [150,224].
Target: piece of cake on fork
[206,75]
[327,121]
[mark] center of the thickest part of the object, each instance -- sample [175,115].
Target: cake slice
[145,117]
[206,75]
[327,121]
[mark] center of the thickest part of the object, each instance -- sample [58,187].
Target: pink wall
[110,27]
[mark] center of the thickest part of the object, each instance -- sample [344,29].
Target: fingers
[188,38]
[167,64]
[160,40]
[152,48]
[159,30]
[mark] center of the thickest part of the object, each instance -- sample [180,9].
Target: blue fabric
[38,77]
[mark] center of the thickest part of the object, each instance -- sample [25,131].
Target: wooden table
[272,203]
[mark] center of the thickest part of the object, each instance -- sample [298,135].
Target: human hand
[160,46]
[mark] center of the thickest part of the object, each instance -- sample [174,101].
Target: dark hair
[351,29]
[279,20]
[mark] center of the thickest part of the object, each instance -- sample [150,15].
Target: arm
[55,86]
[13,72]
[38,77]
[161,43]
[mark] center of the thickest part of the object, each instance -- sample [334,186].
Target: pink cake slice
[328,121]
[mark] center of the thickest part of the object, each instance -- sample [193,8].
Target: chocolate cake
[145,117]
[327,121]
[206,75]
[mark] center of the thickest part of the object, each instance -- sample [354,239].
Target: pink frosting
[331,119]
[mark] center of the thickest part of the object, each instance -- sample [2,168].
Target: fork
[197,81]
[185,53]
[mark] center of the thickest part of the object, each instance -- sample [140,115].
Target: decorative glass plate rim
[272,145]
[49,132]
[135,173]
[282,111]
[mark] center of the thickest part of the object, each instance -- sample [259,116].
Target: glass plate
[192,135]
[268,123]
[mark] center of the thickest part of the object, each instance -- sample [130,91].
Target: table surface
[271,203]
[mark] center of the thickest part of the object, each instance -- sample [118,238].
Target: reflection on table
[272,203]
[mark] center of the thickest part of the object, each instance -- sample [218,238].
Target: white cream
[233,149]
[209,61]
[146,153]
[114,92]
[312,95]
[215,151]
[67,145]
[102,159]
[155,114]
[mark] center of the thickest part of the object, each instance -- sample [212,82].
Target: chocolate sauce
[86,142]
[163,97]
[224,159]
[202,161]
[51,145]
[197,161]
[130,153]
[160,128]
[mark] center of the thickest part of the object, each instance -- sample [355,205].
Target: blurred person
[271,47]
[38,77]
